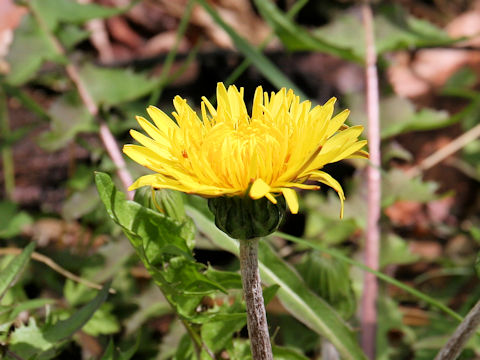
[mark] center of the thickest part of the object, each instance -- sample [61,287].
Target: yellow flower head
[281,145]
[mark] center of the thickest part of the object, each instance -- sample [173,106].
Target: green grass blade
[182,27]
[14,267]
[247,62]
[66,328]
[296,38]
[378,274]
[262,63]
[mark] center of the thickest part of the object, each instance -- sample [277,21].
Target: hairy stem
[252,289]
[464,331]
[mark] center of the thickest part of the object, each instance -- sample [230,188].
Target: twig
[370,289]
[99,37]
[252,289]
[461,335]
[105,134]
[199,344]
[55,267]
[464,167]
[445,151]
[100,41]
[13,355]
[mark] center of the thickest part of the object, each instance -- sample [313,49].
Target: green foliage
[287,354]
[8,313]
[402,187]
[114,353]
[268,69]
[66,328]
[198,305]
[163,247]
[29,341]
[115,86]
[43,342]
[329,278]
[169,202]
[69,117]
[103,322]
[166,251]
[218,332]
[80,203]
[395,29]
[12,220]
[296,38]
[399,115]
[14,267]
[29,39]
[54,12]
[71,35]
[394,251]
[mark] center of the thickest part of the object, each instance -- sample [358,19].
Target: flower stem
[252,289]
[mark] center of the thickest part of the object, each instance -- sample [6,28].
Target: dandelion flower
[227,152]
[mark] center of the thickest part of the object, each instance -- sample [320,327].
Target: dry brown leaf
[428,250]
[429,69]
[63,234]
[162,43]
[405,213]
[10,16]
[238,14]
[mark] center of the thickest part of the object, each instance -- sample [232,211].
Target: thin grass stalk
[7,154]
[372,242]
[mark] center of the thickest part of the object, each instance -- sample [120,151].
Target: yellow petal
[152,131]
[257,103]
[210,107]
[159,149]
[337,122]
[362,154]
[150,180]
[291,199]
[227,152]
[327,179]
[259,189]
[270,197]
[143,156]
[349,150]
[162,121]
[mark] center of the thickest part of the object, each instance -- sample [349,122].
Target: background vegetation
[76,73]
